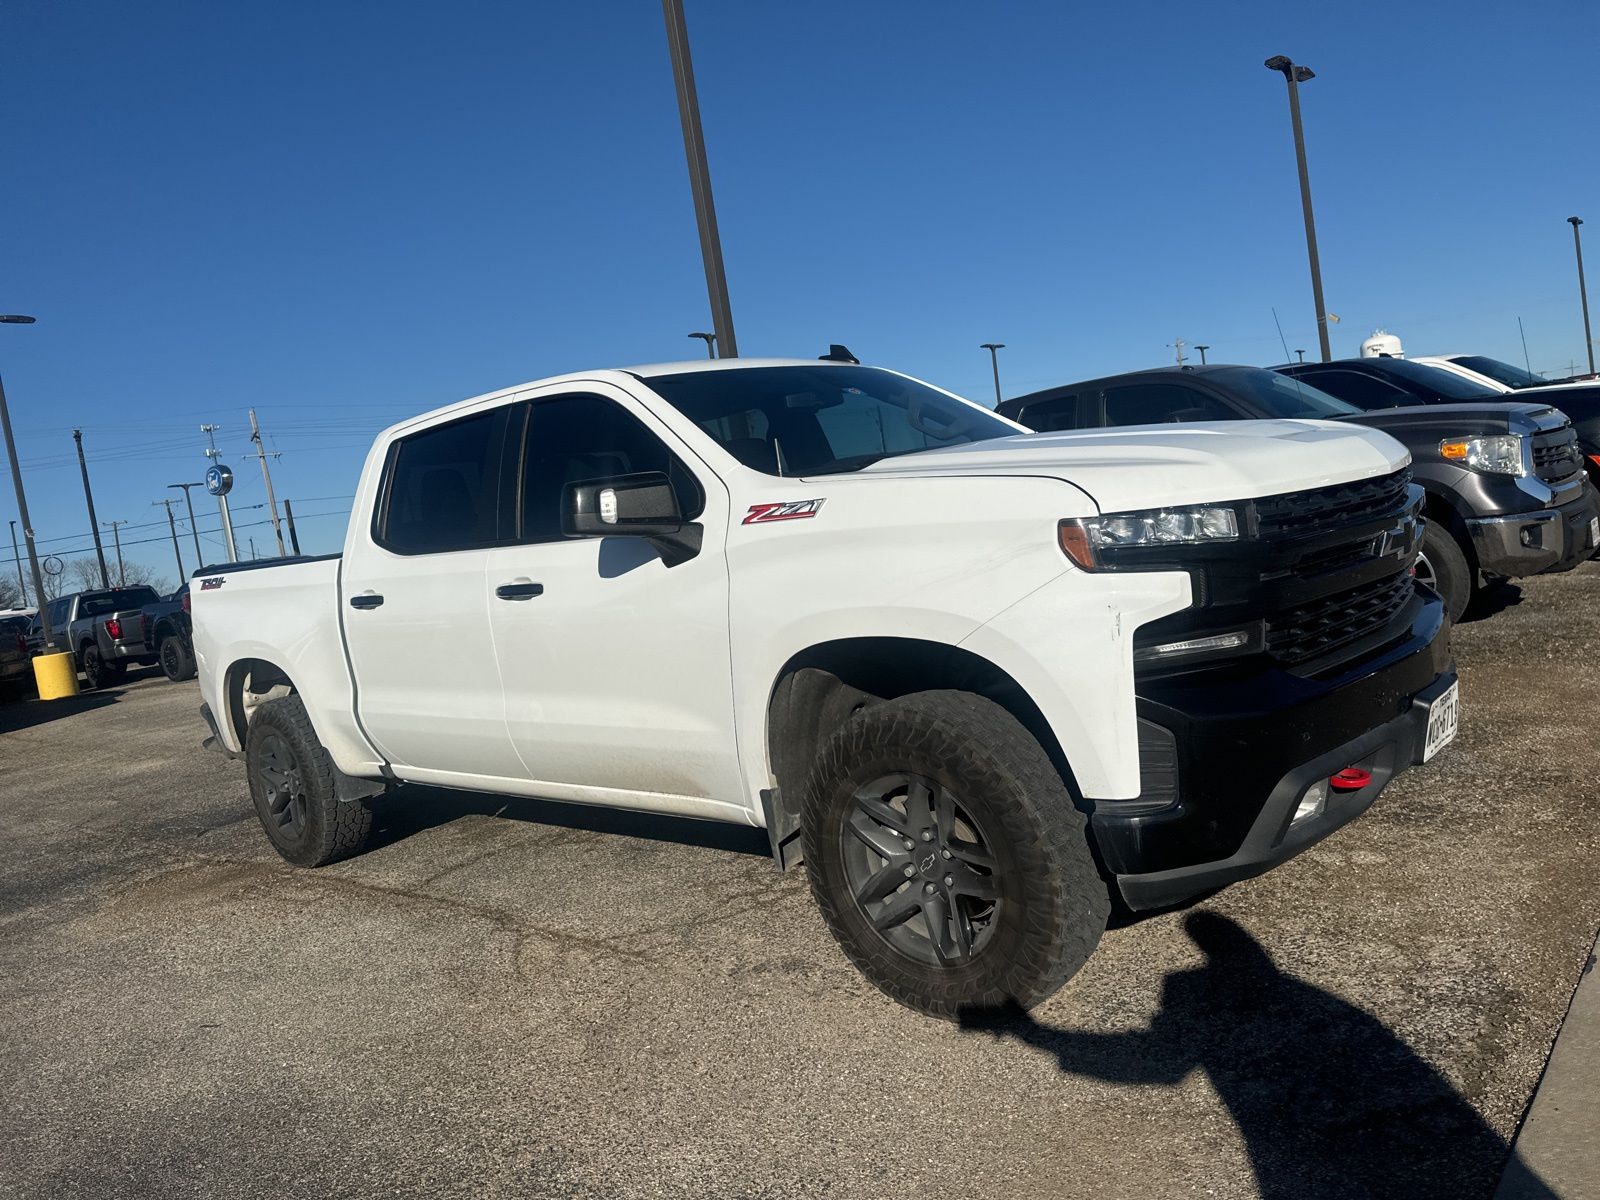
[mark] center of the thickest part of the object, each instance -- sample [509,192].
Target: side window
[1049,416]
[571,439]
[1355,388]
[59,610]
[1159,403]
[443,490]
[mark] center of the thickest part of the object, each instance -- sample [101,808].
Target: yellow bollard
[56,675]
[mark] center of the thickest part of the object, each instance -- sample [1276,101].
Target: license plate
[1594,531]
[1443,715]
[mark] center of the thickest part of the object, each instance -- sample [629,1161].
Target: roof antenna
[838,353]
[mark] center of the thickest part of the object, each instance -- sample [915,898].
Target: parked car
[16,663]
[104,628]
[1526,512]
[958,669]
[1500,376]
[166,627]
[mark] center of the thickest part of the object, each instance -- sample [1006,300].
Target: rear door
[414,602]
[618,675]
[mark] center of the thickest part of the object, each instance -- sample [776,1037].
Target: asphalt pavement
[515,998]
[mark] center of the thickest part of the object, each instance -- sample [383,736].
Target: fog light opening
[1312,801]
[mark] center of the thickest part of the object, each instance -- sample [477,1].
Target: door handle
[366,600]
[521,590]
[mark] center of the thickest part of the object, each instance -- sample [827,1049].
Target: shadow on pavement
[414,808]
[1331,1105]
[1495,598]
[25,714]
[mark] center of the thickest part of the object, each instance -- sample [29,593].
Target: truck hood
[1152,466]
[1434,421]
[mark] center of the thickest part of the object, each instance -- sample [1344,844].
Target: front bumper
[1237,747]
[1531,543]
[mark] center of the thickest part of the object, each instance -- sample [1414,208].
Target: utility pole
[1202,350]
[223,487]
[1295,76]
[94,527]
[17,555]
[294,538]
[994,349]
[173,526]
[694,149]
[116,532]
[22,500]
[199,555]
[252,549]
[266,477]
[1583,291]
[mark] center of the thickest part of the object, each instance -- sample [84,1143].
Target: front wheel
[292,785]
[1443,566]
[947,857]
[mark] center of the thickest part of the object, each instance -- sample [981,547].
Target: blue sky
[344,213]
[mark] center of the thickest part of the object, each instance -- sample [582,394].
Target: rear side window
[1052,415]
[1159,403]
[443,489]
[576,439]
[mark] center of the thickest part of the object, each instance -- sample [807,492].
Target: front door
[618,677]
[415,599]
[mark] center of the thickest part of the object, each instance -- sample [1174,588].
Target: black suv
[1503,480]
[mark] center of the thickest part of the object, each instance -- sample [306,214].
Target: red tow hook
[1351,779]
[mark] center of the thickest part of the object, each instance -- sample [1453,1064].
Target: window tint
[823,419]
[99,604]
[1274,395]
[1500,372]
[1048,416]
[444,487]
[1158,403]
[571,439]
[59,610]
[1352,387]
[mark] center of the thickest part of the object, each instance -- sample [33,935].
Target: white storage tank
[1382,345]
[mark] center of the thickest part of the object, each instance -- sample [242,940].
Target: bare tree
[83,575]
[10,594]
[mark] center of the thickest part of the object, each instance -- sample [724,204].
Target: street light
[994,349]
[1583,292]
[1202,350]
[710,339]
[22,498]
[1302,355]
[1295,76]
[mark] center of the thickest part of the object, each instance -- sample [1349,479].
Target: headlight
[1492,454]
[1084,540]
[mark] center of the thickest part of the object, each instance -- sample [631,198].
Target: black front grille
[1321,508]
[1323,626]
[1556,455]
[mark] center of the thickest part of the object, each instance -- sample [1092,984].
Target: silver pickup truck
[104,628]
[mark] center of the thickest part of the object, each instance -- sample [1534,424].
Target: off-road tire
[177,660]
[1054,903]
[328,828]
[98,672]
[1453,574]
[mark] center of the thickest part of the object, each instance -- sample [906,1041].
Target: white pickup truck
[983,682]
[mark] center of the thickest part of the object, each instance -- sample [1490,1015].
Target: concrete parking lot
[518,998]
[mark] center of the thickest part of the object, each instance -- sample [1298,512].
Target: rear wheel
[947,857]
[292,786]
[1443,566]
[177,662]
[100,672]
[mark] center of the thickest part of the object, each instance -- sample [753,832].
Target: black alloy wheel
[921,869]
[283,786]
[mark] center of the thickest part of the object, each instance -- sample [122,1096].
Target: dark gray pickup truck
[1505,490]
[105,628]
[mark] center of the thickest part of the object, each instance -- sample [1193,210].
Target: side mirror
[640,505]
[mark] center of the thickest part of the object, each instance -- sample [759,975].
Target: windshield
[821,420]
[1512,377]
[1281,396]
[98,604]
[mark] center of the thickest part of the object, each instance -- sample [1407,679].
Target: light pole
[1202,350]
[694,149]
[710,339]
[1302,355]
[22,499]
[1295,76]
[1583,291]
[994,349]
[199,557]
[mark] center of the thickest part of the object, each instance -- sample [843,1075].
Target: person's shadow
[1331,1105]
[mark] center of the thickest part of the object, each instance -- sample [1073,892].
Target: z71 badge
[790,510]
